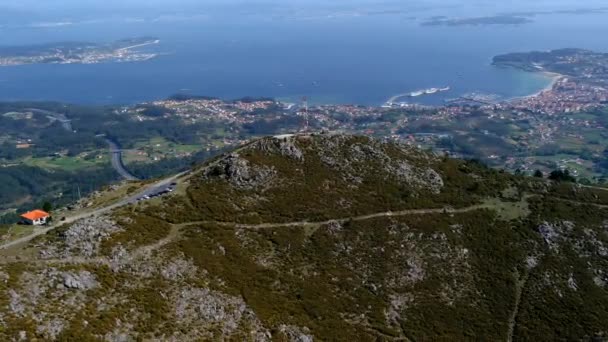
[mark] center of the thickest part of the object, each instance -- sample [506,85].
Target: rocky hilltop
[323,237]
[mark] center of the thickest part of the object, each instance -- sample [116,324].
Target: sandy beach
[555,77]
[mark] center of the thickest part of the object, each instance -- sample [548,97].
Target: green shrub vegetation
[525,257]
[138,230]
[311,190]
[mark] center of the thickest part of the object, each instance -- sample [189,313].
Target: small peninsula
[125,50]
[590,66]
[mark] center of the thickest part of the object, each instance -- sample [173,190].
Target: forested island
[125,50]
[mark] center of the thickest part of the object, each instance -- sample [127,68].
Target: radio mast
[306,119]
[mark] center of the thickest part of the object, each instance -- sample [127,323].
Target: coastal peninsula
[580,78]
[125,50]
[578,63]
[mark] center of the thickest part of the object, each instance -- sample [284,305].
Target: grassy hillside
[332,238]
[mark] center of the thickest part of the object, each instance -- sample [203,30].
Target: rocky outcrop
[82,280]
[296,334]
[82,239]
[422,178]
[553,233]
[283,146]
[396,311]
[202,308]
[355,160]
[178,269]
[50,297]
[240,173]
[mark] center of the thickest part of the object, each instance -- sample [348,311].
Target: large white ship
[429,91]
[394,100]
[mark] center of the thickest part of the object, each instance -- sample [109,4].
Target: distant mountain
[329,238]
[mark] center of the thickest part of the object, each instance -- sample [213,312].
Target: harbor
[474,99]
[469,99]
[394,101]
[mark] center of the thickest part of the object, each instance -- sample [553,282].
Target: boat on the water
[417,93]
[394,100]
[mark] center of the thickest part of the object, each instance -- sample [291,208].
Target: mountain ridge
[324,237]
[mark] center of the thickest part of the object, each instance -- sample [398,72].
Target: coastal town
[121,51]
[560,127]
[563,126]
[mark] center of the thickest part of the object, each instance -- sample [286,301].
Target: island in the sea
[477,21]
[125,50]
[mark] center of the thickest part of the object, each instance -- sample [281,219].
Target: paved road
[115,151]
[65,122]
[150,190]
[117,164]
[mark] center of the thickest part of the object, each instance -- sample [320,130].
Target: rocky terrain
[323,237]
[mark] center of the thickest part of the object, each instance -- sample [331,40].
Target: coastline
[553,76]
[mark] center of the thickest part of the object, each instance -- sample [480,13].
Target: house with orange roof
[36,218]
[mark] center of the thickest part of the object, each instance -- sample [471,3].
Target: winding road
[117,163]
[115,151]
[151,189]
[65,122]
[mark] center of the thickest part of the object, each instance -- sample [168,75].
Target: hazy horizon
[75,9]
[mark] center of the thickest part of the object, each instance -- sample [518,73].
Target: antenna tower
[306,119]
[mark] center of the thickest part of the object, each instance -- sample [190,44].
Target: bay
[360,59]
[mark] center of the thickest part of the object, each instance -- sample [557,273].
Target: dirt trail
[344,220]
[133,255]
[520,285]
[72,219]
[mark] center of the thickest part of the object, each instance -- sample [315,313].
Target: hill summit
[323,237]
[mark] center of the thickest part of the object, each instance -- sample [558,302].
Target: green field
[160,148]
[162,145]
[69,163]
[566,161]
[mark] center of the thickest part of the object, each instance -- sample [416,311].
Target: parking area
[157,192]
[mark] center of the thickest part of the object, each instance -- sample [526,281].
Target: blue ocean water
[362,59]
